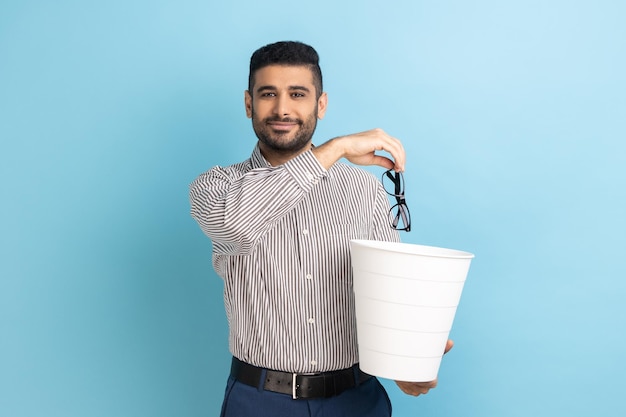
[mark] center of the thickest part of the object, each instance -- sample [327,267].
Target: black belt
[305,386]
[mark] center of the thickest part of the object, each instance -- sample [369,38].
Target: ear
[248,103]
[322,102]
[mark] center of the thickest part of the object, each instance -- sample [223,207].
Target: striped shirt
[281,244]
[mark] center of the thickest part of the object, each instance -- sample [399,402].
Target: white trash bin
[406,297]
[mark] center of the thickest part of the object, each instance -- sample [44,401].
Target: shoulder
[223,173]
[354,174]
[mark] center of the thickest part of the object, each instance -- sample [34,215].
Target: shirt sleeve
[235,206]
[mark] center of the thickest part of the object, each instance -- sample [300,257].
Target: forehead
[283,76]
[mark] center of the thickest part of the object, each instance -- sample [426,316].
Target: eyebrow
[290,88]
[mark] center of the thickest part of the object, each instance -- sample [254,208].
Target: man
[281,223]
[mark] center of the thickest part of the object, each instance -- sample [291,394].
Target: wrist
[329,152]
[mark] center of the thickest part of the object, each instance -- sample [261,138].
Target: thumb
[449,346]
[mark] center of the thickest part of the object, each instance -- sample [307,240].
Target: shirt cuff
[306,170]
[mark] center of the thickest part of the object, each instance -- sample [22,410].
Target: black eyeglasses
[399,215]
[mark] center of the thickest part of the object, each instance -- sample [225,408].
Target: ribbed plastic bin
[406,299]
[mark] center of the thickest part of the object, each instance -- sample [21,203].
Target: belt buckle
[295,386]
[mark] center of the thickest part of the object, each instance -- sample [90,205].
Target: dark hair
[286,53]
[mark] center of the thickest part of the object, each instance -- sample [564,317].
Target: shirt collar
[257,159]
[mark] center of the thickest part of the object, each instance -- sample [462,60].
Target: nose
[281,107]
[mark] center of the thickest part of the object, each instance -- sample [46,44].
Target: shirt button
[311,320]
[305,232]
[313,363]
[309,276]
[309,176]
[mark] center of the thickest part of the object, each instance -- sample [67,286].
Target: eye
[268,94]
[297,95]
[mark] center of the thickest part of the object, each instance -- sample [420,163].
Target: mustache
[282,119]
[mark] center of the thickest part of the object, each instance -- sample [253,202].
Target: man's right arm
[234,206]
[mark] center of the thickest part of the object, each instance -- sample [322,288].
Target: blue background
[513,115]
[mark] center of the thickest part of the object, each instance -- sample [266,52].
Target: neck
[278,157]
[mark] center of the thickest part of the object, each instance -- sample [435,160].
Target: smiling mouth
[282,125]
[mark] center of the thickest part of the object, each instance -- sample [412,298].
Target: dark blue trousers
[366,400]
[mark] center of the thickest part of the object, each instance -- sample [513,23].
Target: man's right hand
[361,148]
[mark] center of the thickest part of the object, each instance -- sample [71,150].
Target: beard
[281,142]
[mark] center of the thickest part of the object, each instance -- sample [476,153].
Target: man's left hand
[419,388]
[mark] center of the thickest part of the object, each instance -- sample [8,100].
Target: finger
[417,388]
[397,151]
[383,162]
[420,391]
[389,144]
[449,346]
[393,146]
[429,385]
